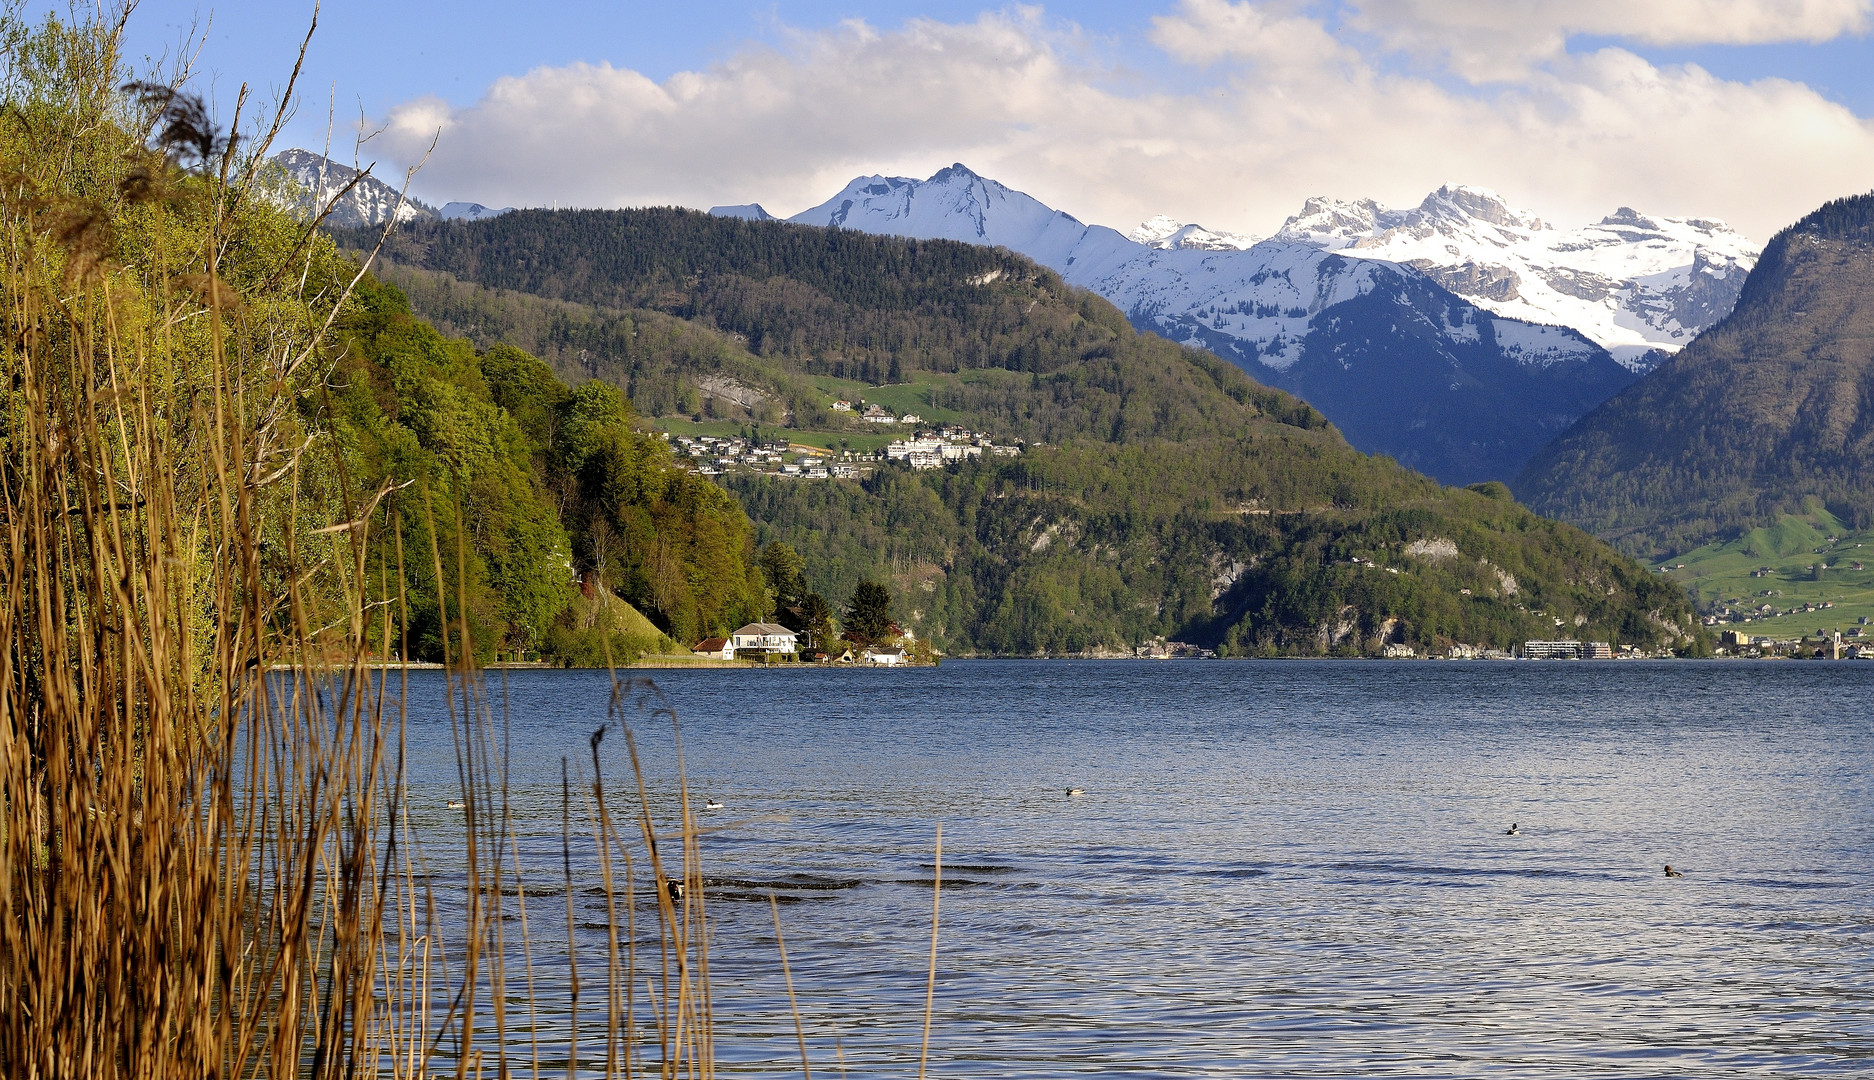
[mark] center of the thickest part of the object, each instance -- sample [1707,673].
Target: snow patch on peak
[1335,223]
[957,204]
[1538,346]
[317,180]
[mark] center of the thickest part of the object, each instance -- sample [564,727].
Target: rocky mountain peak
[1461,203]
[371,202]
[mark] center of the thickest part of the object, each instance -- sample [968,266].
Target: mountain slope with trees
[1767,409]
[1164,494]
[516,485]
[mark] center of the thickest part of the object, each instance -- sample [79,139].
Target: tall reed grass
[208,865]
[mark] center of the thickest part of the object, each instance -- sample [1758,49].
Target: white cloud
[1279,109]
[1206,31]
[1499,39]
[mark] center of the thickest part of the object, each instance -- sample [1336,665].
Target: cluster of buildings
[874,414]
[1561,649]
[1736,612]
[1568,650]
[1839,645]
[769,642]
[935,449]
[714,455]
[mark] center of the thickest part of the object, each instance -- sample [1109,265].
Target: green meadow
[1804,560]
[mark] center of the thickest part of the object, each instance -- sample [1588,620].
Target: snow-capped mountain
[745,211]
[1169,232]
[956,204]
[1641,287]
[1394,358]
[470,211]
[370,203]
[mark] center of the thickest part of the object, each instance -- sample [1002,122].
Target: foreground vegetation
[223,512]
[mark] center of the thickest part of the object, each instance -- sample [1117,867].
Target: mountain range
[1399,361]
[1640,287]
[1458,336]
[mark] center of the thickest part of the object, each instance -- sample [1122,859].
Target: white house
[764,637]
[715,648]
[884,657]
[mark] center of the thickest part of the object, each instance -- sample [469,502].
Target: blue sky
[1230,111]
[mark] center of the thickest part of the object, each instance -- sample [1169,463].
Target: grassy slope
[1719,574]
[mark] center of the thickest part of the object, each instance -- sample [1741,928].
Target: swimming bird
[458,806]
[674,889]
[1073,791]
[711,804]
[1511,831]
[1670,872]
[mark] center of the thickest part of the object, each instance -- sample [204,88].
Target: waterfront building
[764,637]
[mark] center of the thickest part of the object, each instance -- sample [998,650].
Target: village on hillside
[925,447]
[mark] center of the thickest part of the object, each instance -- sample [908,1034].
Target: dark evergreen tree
[816,616]
[784,571]
[868,614]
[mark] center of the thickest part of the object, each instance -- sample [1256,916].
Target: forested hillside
[502,476]
[1041,361]
[1172,496]
[1766,410]
[1271,544]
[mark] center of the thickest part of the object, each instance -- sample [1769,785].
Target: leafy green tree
[868,614]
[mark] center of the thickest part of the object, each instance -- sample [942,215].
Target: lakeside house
[715,648]
[884,657]
[763,637]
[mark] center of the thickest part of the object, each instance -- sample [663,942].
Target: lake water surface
[1277,869]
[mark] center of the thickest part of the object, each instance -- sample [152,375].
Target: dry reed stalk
[780,944]
[209,864]
[930,986]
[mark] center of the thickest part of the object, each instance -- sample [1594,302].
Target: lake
[1277,868]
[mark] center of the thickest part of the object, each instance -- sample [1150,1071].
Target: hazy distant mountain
[470,211]
[1639,286]
[1772,406]
[1401,364]
[369,203]
[746,211]
[1169,232]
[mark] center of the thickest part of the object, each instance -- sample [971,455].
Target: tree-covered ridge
[534,499]
[1850,218]
[799,301]
[1761,414]
[1248,545]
